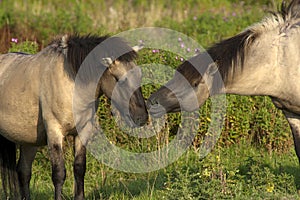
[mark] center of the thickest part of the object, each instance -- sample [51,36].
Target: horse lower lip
[156,108]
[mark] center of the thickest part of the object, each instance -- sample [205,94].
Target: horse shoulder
[56,96]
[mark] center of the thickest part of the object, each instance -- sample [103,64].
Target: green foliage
[257,119]
[25,47]
[208,28]
[228,174]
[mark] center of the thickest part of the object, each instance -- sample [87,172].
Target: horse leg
[9,177]
[79,168]
[294,121]
[55,145]
[27,155]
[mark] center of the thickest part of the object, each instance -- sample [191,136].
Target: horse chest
[286,105]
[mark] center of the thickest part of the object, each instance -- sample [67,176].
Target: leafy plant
[24,47]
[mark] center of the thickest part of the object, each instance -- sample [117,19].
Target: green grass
[254,157]
[240,171]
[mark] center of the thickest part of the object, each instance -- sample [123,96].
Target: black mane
[227,54]
[78,47]
[231,52]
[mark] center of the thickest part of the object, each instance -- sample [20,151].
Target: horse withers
[36,98]
[262,60]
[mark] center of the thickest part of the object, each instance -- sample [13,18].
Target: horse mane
[76,48]
[230,53]
[292,11]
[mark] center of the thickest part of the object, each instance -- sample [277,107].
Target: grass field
[254,157]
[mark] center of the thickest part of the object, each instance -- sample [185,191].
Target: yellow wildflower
[270,187]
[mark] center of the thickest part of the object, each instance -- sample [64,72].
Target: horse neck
[254,80]
[259,75]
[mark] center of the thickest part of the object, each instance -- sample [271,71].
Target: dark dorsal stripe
[21,53]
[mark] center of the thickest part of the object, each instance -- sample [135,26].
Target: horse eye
[196,83]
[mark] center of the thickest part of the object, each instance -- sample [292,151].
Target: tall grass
[41,20]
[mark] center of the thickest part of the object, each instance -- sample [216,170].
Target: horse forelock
[76,48]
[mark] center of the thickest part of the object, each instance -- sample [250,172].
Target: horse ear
[64,41]
[212,69]
[107,61]
[138,47]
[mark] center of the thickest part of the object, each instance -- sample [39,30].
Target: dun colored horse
[36,97]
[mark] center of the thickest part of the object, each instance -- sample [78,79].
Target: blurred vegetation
[235,169]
